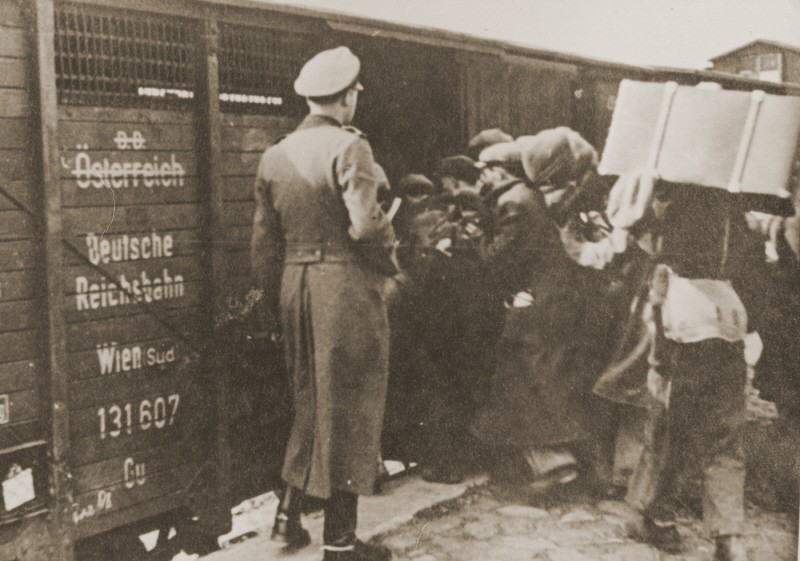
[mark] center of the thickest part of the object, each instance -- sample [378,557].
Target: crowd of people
[512,311]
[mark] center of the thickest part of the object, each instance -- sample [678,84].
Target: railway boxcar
[130,133]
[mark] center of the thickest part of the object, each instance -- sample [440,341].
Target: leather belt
[308,254]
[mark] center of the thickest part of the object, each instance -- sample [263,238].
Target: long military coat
[319,248]
[545,358]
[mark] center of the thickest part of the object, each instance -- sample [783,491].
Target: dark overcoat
[320,250]
[546,360]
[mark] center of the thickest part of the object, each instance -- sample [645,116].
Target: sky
[675,33]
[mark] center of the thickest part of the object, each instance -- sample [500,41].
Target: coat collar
[313,121]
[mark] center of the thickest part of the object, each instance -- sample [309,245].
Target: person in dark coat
[540,376]
[440,348]
[321,250]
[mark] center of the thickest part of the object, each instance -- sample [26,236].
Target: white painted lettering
[93,296]
[133,473]
[115,249]
[118,175]
[81,288]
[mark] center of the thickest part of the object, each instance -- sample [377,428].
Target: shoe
[290,532]
[663,536]
[730,548]
[554,479]
[359,551]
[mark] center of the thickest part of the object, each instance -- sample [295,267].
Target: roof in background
[777,44]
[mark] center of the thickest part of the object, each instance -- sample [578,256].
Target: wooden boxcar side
[23,352]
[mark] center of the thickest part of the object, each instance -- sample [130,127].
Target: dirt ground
[501,523]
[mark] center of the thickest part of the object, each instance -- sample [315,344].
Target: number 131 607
[158,413]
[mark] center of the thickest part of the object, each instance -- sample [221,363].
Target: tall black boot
[287,527]
[339,533]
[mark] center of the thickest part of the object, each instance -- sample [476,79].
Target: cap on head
[486,138]
[328,73]
[501,152]
[459,167]
[415,185]
[556,156]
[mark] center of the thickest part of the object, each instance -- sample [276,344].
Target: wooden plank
[13,43]
[11,14]
[114,471]
[23,406]
[126,516]
[240,164]
[122,136]
[15,434]
[16,133]
[139,326]
[238,237]
[121,498]
[16,165]
[17,285]
[114,115]
[131,219]
[250,139]
[16,194]
[240,120]
[13,73]
[239,263]
[182,242]
[132,169]
[14,103]
[141,357]
[16,225]
[239,213]
[22,375]
[215,374]
[237,246]
[17,255]
[19,316]
[88,395]
[239,188]
[49,167]
[175,296]
[238,286]
[19,345]
[189,267]
[90,448]
[75,196]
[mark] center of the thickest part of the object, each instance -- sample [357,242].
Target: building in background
[764,60]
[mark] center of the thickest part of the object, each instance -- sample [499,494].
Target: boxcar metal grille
[107,57]
[257,68]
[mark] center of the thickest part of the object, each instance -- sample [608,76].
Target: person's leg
[719,444]
[652,486]
[341,519]
[287,527]
[339,532]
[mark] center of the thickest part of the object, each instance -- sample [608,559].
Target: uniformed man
[321,249]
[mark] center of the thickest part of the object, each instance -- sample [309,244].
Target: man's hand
[630,198]
[444,246]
